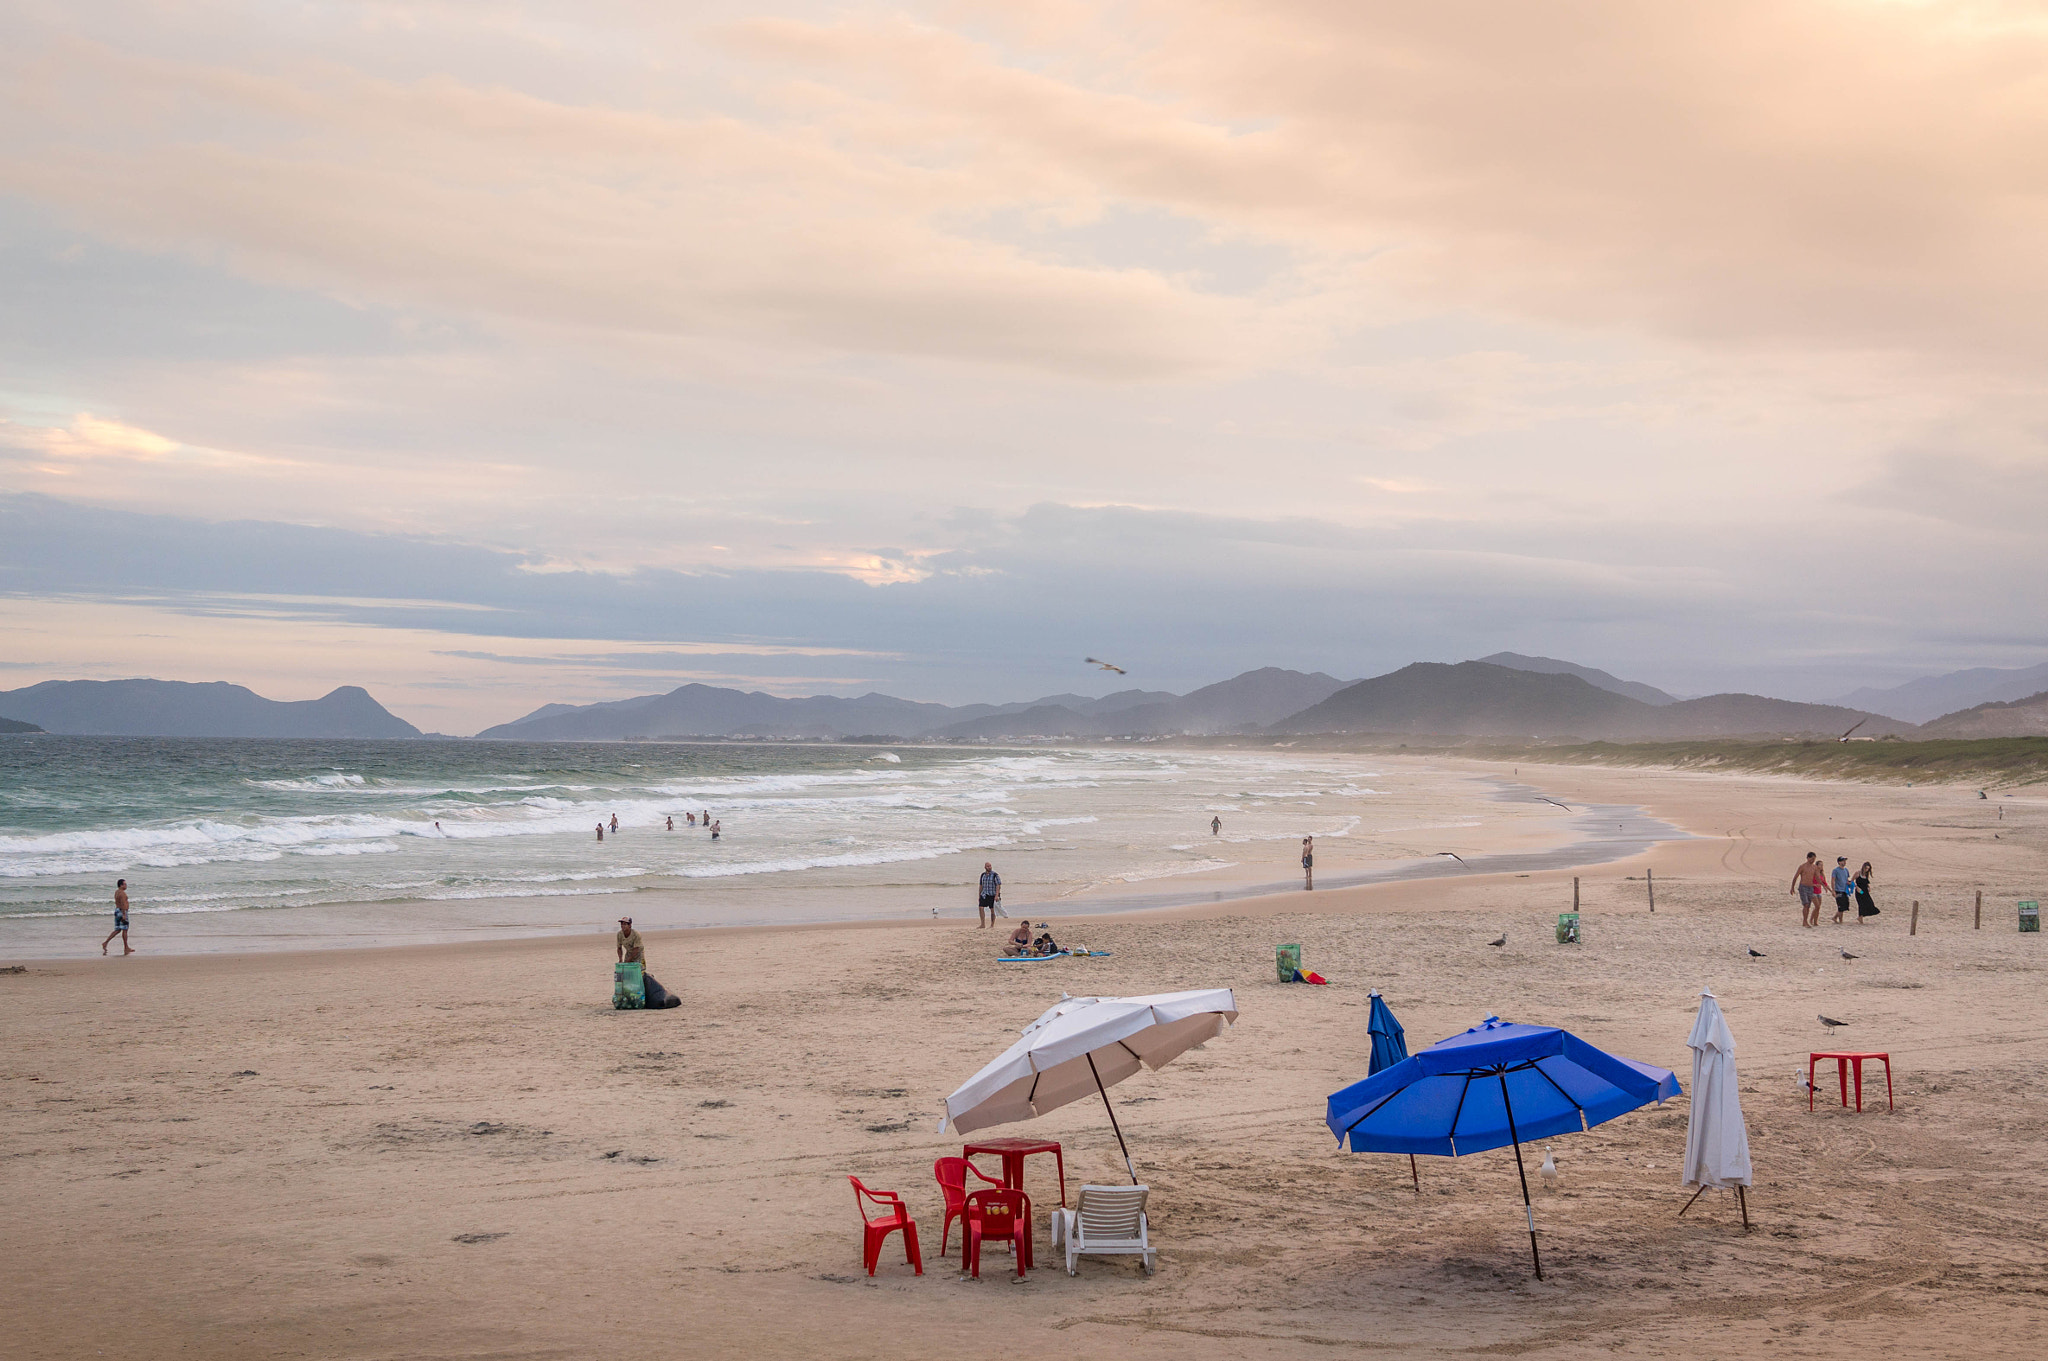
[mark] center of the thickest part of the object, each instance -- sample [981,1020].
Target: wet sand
[461,1151]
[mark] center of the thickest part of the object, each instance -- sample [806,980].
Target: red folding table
[1013,1152]
[1843,1062]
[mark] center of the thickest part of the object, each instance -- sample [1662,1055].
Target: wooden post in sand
[1575,893]
[1977,922]
[1651,876]
[1914,929]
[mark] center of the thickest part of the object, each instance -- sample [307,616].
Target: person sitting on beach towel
[1045,944]
[633,951]
[1019,940]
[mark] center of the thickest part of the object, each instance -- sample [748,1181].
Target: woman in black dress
[1864,907]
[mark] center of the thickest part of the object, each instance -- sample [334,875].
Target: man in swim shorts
[120,919]
[991,895]
[1806,882]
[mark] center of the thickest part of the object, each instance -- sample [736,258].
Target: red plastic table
[1013,1152]
[1843,1062]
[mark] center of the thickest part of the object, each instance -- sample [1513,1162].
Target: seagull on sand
[1106,666]
[1830,1022]
[1755,953]
[1847,955]
[1502,941]
[1453,855]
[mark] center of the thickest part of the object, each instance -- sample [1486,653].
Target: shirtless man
[1807,882]
[120,919]
[1308,862]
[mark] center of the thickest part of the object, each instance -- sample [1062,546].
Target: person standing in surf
[120,919]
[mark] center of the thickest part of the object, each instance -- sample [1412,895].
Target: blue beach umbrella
[1389,1047]
[1495,1085]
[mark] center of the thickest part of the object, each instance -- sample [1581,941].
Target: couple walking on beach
[1811,880]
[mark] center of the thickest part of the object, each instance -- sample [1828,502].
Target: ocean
[260,844]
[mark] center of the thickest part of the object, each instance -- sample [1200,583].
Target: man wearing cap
[632,950]
[1843,883]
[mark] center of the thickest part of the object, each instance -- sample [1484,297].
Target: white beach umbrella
[1716,1140]
[1083,1045]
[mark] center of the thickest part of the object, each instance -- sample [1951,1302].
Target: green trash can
[1567,928]
[1287,959]
[2030,914]
[629,987]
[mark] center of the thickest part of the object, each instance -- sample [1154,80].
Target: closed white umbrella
[1716,1140]
[1083,1045]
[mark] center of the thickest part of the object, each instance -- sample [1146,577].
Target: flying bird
[1106,666]
[1567,807]
[1755,953]
[1453,855]
[1830,1022]
[1847,955]
[1502,941]
[1845,736]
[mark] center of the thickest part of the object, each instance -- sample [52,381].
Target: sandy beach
[462,1151]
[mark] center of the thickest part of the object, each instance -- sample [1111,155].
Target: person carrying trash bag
[633,969]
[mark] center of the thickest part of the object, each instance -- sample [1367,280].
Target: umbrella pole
[1528,1207]
[1112,1120]
[1743,1200]
[1695,1196]
[1415,1174]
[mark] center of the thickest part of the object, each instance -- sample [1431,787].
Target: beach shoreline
[347,1152]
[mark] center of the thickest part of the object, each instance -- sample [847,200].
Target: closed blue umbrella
[1495,1085]
[1389,1047]
[1389,1041]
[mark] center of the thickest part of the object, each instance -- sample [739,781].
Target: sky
[492,354]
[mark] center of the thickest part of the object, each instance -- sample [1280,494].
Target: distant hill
[154,708]
[9,725]
[1242,703]
[1551,666]
[714,711]
[1483,699]
[2021,718]
[1471,698]
[1935,696]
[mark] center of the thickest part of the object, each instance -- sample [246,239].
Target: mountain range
[1246,702]
[156,708]
[1931,697]
[1481,699]
[2020,718]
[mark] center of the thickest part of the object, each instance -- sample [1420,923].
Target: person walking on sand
[120,919]
[1216,826]
[1864,907]
[1806,882]
[1841,883]
[991,895]
[1308,863]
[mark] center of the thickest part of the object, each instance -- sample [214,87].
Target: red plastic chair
[875,1230]
[995,1216]
[952,1178]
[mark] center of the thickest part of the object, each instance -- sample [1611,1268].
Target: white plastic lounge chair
[1105,1219]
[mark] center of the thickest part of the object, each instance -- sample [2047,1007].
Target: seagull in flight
[1453,855]
[1567,807]
[1106,666]
[1755,953]
[1847,955]
[1502,941]
[1830,1022]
